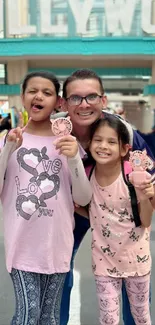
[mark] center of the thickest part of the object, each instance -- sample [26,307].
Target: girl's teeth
[102,154]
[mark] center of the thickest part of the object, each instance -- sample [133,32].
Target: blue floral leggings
[38,298]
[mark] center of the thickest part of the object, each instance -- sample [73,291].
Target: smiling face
[40,98]
[105,146]
[85,113]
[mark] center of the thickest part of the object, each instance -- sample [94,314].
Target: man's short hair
[81,75]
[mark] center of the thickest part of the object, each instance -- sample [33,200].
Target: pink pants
[109,291]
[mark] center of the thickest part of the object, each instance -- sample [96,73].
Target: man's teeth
[85,114]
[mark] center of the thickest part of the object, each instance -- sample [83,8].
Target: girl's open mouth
[37,107]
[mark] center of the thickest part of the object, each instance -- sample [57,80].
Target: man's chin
[86,122]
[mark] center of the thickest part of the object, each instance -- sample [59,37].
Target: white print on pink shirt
[44,182]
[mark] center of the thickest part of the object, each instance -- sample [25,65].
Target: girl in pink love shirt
[38,185]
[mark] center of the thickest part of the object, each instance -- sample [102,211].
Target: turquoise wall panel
[149,90]
[77,46]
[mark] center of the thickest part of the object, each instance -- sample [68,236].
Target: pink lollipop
[61,126]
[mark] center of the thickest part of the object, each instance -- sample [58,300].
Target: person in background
[16,115]
[149,138]
[6,123]
[1,118]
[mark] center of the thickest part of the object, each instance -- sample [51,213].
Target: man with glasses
[84,99]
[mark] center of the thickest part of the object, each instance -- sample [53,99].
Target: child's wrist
[75,157]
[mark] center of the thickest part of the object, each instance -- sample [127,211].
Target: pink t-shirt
[38,208]
[119,249]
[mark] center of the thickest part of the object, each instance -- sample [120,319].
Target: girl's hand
[67,146]
[16,135]
[147,189]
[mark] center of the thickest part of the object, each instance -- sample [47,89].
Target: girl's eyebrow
[112,139]
[44,89]
[48,89]
[97,136]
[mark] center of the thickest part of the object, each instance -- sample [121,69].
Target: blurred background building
[115,38]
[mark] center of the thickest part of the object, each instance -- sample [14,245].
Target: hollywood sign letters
[115,14]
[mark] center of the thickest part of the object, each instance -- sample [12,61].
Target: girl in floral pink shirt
[120,250]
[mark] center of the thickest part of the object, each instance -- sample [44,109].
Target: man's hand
[67,145]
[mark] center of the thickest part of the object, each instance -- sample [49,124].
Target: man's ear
[104,101]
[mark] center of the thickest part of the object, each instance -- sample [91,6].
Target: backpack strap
[89,170]
[133,196]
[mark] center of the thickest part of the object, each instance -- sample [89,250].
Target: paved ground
[84,288]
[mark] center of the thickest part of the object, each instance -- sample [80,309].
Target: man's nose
[84,103]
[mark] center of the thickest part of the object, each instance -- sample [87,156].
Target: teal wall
[21,47]
[124,72]
[63,72]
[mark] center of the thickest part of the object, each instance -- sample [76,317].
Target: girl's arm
[81,188]
[145,206]
[146,212]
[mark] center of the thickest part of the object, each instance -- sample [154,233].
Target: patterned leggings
[38,298]
[108,292]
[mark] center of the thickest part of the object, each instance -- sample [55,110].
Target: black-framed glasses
[91,99]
